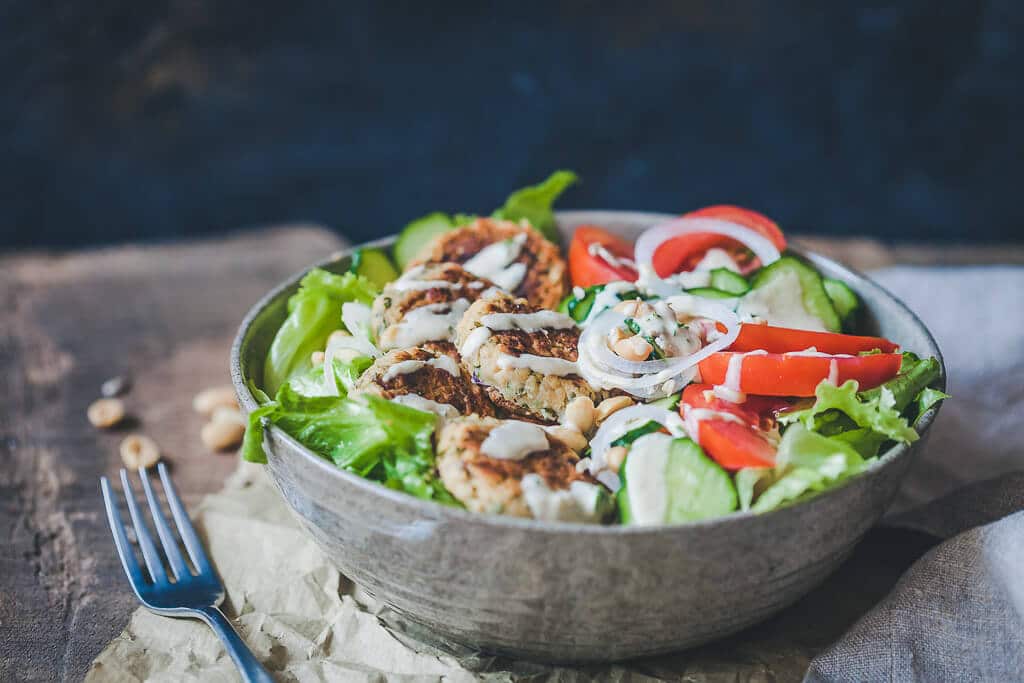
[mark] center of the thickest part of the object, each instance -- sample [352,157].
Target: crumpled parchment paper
[307,623]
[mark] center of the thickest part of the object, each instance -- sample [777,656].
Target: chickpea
[615,457]
[632,308]
[208,400]
[635,348]
[220,435]
[611,405]
[138,451]
[579,414]
[106,412]
[570,436]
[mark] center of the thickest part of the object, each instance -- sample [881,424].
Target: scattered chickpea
[636,348]
[614,457]
[570,436]
[105,412]
[317,358]
[221,435]
[225,414]
[579,414]
[138,451]
[611,405]
[208,400]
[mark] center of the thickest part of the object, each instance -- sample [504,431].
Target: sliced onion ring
[617,425]
[654,237]
[602,366]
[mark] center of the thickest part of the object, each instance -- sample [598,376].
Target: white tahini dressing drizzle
[406,367]
[474,340]
[527,322]
[607,298]
[433,322]
[514,440]
[780,302]
[731,391]
[495,262]
[645,472]
[578,503]
[598,250]
[692,417]
[411,282]
[442,410]
[545,365]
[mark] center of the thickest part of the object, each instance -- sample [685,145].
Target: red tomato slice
[685,252]
[783,339]
[588,269]
[731,444]
[787,374]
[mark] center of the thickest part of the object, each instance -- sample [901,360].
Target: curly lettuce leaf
[807,462]
[877,413]
[313,313]
[534,203]
[367,435]
[915,375]
[312,382]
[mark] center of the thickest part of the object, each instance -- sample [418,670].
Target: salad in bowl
[700,371]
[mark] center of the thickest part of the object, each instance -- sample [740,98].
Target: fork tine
[124,548]
[167,539]
[185,528]
[149,552]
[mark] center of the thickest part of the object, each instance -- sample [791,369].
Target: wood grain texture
[165,315]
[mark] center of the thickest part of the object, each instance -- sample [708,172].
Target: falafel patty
[514,256]
[524,356]
[496,485]
[424,305]
[426,379]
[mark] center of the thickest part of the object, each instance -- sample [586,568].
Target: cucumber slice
[728,281]
[579,309]
[417,235]
[710,293]
[843,298]
[670,402]
[695,487]
[374,265]
[635,433]
[813,296]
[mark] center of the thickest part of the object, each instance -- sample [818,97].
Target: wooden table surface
[165,315]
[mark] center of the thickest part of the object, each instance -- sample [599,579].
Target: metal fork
[191,593]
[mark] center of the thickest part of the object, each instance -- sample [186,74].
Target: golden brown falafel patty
[486,484]
[434,285]
[426,373]
[522,391]
[546,279]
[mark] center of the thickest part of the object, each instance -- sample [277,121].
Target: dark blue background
[126,120]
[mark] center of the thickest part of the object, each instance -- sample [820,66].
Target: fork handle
[250,668]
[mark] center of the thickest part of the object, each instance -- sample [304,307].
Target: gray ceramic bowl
[558,591]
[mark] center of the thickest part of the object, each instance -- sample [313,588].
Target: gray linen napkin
[958,612]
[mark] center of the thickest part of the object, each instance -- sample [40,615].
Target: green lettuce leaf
[534,203]
[367,435]
[877,412]
[915,374]
[311,382]
[313,313]
[806,462]
[927,399]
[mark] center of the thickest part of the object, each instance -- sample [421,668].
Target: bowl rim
[433,510]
